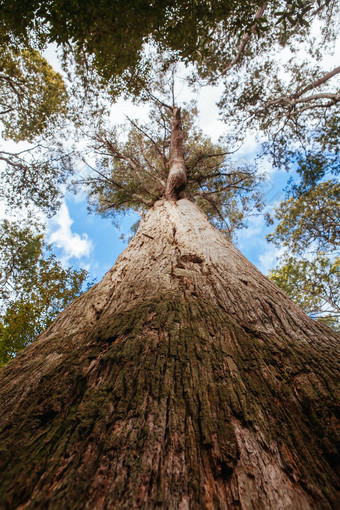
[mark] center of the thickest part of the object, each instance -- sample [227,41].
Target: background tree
[310,221]
[34,287]
[33,100]
[309,228]
[313,285]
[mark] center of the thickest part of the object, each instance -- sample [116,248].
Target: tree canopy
[33,99]
[236,41]
[308,228]
[132,165]
[32,94]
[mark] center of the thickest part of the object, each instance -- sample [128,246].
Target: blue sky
[86,240]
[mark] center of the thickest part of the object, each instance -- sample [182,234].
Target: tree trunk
[184,380]
[177,177]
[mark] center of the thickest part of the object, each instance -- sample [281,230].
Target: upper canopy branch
[246,38]
[296,98]
[318,82]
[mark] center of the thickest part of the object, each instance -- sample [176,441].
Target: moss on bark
[143,413]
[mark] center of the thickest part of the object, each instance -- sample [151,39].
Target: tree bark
[184,380]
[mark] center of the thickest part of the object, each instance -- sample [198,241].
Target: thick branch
[318,82]
[296,98]
[292,102]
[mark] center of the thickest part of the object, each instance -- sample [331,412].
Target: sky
[85,240]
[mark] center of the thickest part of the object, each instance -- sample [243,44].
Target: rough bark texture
[184,380]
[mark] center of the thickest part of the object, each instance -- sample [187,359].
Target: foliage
[112,35]
[33,99]
[32,94]
[286,92]
[132,165]
[311,220]
[313,285]
[34,175]
[206,33]
[237,41]
[34,287]
[309,227]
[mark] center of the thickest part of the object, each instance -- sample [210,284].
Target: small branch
[219,214]
[147,235]
[159,101]
[207,156]
[145,134]
[119,186]
[297,113]
[228,186]
[222,174]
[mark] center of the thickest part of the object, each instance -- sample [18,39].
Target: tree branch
[292,102]
[145,134]
[159,101]
[318,82]
[245,39]
[296,98]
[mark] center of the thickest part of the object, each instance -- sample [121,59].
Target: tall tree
[185,379]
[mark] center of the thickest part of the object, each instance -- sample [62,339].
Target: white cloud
[268,259]
[71,243]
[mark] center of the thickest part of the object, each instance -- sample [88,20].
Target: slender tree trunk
[177,177]
[184,380]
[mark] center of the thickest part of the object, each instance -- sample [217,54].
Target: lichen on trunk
[185,379]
